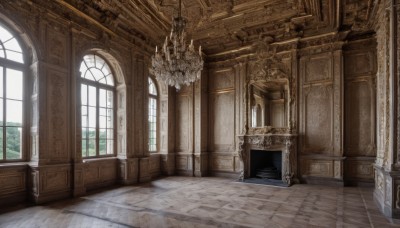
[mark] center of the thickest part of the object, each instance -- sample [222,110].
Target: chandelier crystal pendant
[177,64]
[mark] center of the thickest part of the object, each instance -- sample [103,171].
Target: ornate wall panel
[57,44]
[183,123]
[155,165]
[222,162]
[359,122]
[57,100]
[318,68]
[321,112]
[101,172]
[359,169]
[318,168]
[360,110]
[56,179]
[358,63]
[183,162]
[12,181]
[222,122]
[222,79]
[318,120]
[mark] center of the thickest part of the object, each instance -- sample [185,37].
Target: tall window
[97,107]
[152,116]
[11,96]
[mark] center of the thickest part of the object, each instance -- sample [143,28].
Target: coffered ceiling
[220,25]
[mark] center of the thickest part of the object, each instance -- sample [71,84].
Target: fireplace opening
[266,165]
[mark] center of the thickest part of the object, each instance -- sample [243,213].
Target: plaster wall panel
[222,121]
[360,110]
[222,79]
[318,168]
[58,119]
[318,122]
[12,180]
[182,162]
[222,163]
[183,123]
[318,68]
[359,122]
[359,169]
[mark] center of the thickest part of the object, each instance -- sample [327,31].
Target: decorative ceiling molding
[218,25]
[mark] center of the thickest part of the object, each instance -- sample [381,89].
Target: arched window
[97,107]
[12,79]
[153,97]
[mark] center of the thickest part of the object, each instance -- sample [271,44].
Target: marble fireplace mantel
[287,143]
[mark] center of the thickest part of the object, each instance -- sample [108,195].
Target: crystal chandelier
[177,64]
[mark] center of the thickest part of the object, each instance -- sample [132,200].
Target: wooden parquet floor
[206,202]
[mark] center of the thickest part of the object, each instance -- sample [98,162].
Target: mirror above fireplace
[269,104]
[269,97]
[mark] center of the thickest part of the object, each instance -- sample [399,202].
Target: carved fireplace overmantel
[286,143]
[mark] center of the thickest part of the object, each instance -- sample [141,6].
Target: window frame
[22,67]
[98,86]
[156,97]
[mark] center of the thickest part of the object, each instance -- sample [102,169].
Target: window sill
[98,159]
[6,165]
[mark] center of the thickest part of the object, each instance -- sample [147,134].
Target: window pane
[110,119]
[89,60]
[110,146]
[110,100]
[1,81]
[102,133]
[12,45]
[97,74]
[92,117]
[1,112]
[14,84]
[110,134]
[102,98]
[82,69]
[15,56]
[152,118]
[1,143]
[92,96]
[152,87]
[84,147]
[84,111]
[88,75]
[110,80]
[99,62]
[84,94]
[13,142]
[91,133]
[85,133]
[102,146]
[4,34]
[92,147]
[14,113]
[102,121]
[106,70]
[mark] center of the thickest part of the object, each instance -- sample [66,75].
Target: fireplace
[273,156]
[266,165]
